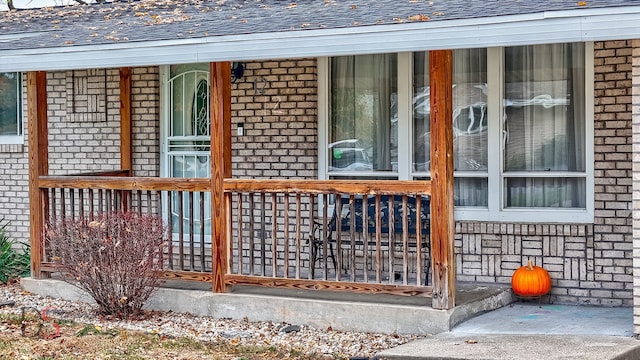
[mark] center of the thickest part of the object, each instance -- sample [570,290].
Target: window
[10,108]
[522,127]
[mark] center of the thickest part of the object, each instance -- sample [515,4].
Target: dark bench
[352,220]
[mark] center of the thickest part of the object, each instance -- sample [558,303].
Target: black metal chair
[352,216]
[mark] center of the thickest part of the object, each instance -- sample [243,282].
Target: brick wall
[277,103]
[636,181]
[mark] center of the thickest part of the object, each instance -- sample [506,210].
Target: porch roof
[153,32]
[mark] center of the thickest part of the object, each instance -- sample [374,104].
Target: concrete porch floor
[319,309]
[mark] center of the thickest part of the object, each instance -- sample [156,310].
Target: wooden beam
[220,110]
[126,150]
[38,162]
[442,224]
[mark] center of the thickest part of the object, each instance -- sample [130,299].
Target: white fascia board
[539,28]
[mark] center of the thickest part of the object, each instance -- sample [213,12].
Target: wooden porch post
[442,222]
[220,110]
[38,162]
[126,157]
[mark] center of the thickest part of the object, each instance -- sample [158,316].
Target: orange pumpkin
[531,280]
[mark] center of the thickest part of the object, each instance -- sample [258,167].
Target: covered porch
[271,233]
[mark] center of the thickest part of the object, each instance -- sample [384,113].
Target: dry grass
[82,341]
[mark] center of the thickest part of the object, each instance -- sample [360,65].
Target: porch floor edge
[321,310]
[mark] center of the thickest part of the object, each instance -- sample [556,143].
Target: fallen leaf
[582,3]
[353,7]
[471,341]
[419,17]
[292,5]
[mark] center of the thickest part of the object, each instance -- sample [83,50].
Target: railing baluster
[352,236]
[100,201]
[365,242]
[286,235]
[63,210]
[419,241]
[201,229]
[72,203]
[107,197]
[298,232]
[252,245]
[81,207]
[405,239]
[312,240]
[392,237]
[240,233]
[338,234]
[379,240]
[191,233]
[274,234]
[180,231]
[139,195]
[325,236]
[91,205]
[170,228]
[54,218]
[263,232]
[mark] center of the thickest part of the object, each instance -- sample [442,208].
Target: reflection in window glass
[544,125]
[10,109]
[469,121]
[364,135]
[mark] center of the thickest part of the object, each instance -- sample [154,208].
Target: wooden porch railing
[278,234]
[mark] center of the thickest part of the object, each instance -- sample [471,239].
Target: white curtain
[363,89]
[544,125]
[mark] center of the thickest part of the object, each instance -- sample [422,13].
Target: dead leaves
[419,17]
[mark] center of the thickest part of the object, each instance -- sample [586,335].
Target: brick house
[551,180]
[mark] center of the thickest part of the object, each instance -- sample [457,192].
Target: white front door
[185,137]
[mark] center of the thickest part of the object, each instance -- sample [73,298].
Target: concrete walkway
[526,331]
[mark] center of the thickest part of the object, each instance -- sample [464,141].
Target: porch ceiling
[164,32]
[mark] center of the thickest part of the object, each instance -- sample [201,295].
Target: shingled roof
[192,30]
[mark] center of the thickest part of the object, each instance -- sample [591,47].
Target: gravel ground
[305,339]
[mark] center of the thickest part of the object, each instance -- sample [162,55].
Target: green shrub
[14,263]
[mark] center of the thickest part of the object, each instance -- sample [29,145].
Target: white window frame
[495,210]
[18,138]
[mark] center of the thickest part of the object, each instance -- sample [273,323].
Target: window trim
[17,139]
[495,176]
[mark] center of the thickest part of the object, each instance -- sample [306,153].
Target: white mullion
[405,111]
[323,116]
[495,128]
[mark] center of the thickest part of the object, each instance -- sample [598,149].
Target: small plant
[14,263]
[115,258]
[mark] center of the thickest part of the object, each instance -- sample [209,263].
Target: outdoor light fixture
[237,70]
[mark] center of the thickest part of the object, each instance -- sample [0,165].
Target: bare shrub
[116,258]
